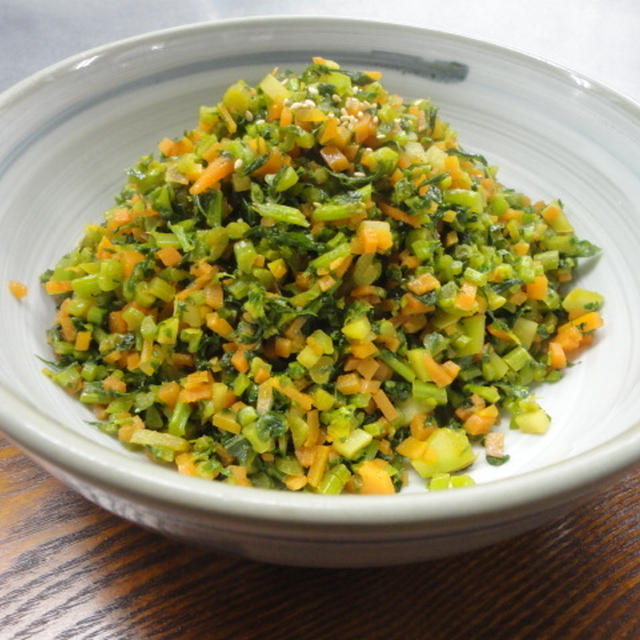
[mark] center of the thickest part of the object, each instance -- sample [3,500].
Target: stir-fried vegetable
[315,287]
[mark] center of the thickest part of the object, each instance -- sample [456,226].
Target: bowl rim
[49,440]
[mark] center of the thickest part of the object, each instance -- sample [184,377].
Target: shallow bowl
[71,130]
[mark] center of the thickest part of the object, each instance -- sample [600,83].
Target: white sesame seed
[260,121]
[335,97]
[316,204]
[237,164]
[313,90]
[359,174]
[359,114]
[248,115]
[376,119]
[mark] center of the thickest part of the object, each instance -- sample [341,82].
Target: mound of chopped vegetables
[315,289]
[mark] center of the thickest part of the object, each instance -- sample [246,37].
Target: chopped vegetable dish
[317,289]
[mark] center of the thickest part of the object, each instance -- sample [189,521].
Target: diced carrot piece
[436,371]
[305,455]
[585,323]
[197,378]
[451,368]
[396,176]
[113,357]
[239,361]
[521,249]
[569,338]
[397,214]
[283,347]
[412,306]
[303,400]
[214,296]
[133,361]
[219,325]
[466,298]
[166,147]
[57,287]
[182,360]
[105,249]
[537,290]
[409,261]
[117,323]
[481,421]
[550,212]
[418,427]
[168,393]
[286,117]
[518,298]
[261,375]
[111,383]
[348,384]
[374,236]
[367,367]
[129,259]
[330,131]
[17,289]
[318,466]
[120,217]
[170,147]
[309,115]
[384,404]
[500,334]
[369,386]
[129,428]
[215,171]
[423,284]
[375,477]
[185,464]
[557,356]
[273,164]
[295,483]
[239,475]
[363,349]
[335,159]
[364,128]
[325,283]
[83,340]
[169,256]
[412,448]
[274,111]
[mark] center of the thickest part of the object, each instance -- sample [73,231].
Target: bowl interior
[74,130]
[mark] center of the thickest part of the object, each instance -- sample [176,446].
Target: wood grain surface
[69,570]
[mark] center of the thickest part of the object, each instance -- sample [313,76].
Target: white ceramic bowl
[71,130]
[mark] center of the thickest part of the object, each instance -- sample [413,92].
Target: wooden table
[69,570]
